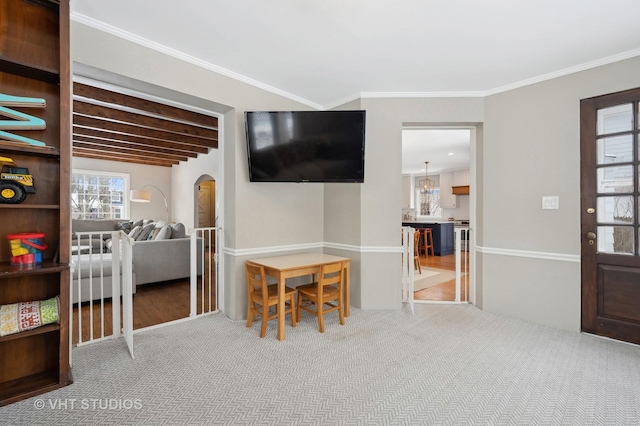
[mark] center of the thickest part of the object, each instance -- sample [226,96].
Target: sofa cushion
[178,230]
[135,232]
[94,265]
[163,233]
[125,226]
[146,231]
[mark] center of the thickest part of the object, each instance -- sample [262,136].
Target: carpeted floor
[447,365]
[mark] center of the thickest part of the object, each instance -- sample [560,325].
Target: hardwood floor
[447,290]
[152,304]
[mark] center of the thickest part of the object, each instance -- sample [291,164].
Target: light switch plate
[550,202]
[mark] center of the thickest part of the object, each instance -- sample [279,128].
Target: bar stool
[426,243]
[416,251]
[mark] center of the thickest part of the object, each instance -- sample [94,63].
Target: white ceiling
[444,149]
[327,52]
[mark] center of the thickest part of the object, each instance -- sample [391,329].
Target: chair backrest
[331,274]
[256,279]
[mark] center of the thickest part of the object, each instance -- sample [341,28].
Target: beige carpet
[445,365]
[431,277]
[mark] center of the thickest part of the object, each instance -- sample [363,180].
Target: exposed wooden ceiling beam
[143,143]
[113,147]
[177,114]
[100,124]
[102,155]
[118,116]
[113,126]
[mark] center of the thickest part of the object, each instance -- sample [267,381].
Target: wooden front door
[610,206]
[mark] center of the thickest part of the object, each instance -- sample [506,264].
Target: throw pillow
[146,231]
[163,233]
[178,230]
[135,232]
[125,226]
[159,225]
[136,223]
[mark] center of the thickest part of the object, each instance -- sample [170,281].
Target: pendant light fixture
[426,185]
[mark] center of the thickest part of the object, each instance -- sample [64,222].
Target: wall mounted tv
[305,146]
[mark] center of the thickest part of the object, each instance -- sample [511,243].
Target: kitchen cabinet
[447,199]
[461,178]
[443,236]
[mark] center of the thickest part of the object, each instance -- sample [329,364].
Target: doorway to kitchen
[438,183]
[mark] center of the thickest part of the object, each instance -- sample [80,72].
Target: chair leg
[341,309]
[298,307]
[265,314]
[292,302]
[319,312]
[250,315]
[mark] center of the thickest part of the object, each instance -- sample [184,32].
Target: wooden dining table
[298,265]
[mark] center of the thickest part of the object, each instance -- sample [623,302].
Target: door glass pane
[617,149]
[615,239]
[615,179]
[615,119]
[615,210]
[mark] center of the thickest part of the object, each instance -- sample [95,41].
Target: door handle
[591,236]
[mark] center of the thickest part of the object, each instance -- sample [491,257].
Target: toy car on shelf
[15,182]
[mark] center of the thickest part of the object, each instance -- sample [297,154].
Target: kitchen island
[443,235]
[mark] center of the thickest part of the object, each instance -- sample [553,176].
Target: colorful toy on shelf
[19,120]
[15,182]
[26,248]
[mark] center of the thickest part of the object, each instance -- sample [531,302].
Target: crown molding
[380,95]
[567,71]
[83,19]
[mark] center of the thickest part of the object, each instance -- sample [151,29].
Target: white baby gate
[461,246]
[108,273]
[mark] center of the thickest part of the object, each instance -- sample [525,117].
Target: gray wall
[530,260]
[528,146]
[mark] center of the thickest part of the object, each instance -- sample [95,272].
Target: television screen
[305,146]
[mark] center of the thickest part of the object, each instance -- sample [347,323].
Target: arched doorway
[205,202]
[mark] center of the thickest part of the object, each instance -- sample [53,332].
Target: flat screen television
[305,146]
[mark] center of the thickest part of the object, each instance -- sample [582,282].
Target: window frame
[124,208]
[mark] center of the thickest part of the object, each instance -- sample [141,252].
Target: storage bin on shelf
[26,248]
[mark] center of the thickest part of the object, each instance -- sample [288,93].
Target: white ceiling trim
[372,95]
[571,70]
[83,19]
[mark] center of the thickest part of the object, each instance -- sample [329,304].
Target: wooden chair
[262,296]
[326,292]
[416,253]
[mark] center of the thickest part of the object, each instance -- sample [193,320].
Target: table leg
[347,289]
[280,307]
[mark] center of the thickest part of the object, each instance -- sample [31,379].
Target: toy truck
[15,182]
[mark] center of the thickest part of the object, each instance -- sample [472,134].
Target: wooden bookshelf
[35,62]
